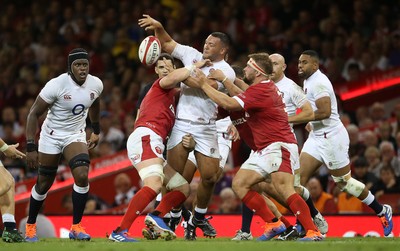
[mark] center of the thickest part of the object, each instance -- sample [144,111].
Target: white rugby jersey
[293,95]
[194,104]
[223,124]
[69,102]
[317,86]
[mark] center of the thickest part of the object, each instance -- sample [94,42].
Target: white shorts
[204,135]
[53,142]
[331,148]
[224,146]
[144,144]
[277,157]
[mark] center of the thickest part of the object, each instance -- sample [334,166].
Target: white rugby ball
[149,50]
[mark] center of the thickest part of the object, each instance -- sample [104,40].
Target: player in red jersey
[145,150]
[275,149]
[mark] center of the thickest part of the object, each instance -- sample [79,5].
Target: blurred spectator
[353,72]
[385,131]
[388,157]
[323,201]
[109,133]
[8,115]
[104,148]
[377,112]
[388,182]
[230,204]
[356,147]
[95,205]
[348,204]
[370,138]
[373,155]
[124,189]
[360,172]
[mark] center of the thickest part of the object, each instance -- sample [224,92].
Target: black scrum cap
[75,54]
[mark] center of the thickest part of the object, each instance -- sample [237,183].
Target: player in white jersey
[295,98]
[196,114]
[328,140]
[67,99]
[7,194]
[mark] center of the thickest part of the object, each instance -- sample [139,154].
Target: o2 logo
[78,109]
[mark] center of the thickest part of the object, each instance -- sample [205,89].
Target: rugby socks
[79,198]
[138,203]
[200,213]
[299,208]
[371,201]
[257,204]
[35,203]
[158,200]
[247,217]
[9,221]
[186,213]
[306,196]
[169,201]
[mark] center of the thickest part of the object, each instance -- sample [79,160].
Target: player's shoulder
[57,81]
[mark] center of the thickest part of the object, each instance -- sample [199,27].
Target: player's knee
[6,185]
[81,178]
[177,182]
[45,179]
[155,170]
[349,185]
[210,180]
[79,160]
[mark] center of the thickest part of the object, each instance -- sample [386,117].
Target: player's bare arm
[306,114]
[220,76]
[218,97]
[241,84]
[37,109]
[323,108]
[11,151]
[94,115]
[149,23]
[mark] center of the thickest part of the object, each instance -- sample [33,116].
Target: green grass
[219,244]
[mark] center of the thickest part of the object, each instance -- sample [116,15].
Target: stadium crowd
[353,40]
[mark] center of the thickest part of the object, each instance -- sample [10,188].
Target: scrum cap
[76,54]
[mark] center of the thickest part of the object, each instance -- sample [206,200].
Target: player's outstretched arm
[218,97]
[11,151]
[306,114]
[218,75]
[149,23]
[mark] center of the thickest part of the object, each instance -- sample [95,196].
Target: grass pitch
[219,244]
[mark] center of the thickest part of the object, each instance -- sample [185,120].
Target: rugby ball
[149,50]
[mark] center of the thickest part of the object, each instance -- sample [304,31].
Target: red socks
[169,201]
[257,204]
[138,203]
[301,211]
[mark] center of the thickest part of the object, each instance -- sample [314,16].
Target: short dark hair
[313,54]
[262,59]
[361,162]
[167,57]
[226,41]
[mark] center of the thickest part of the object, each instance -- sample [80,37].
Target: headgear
[76,54]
